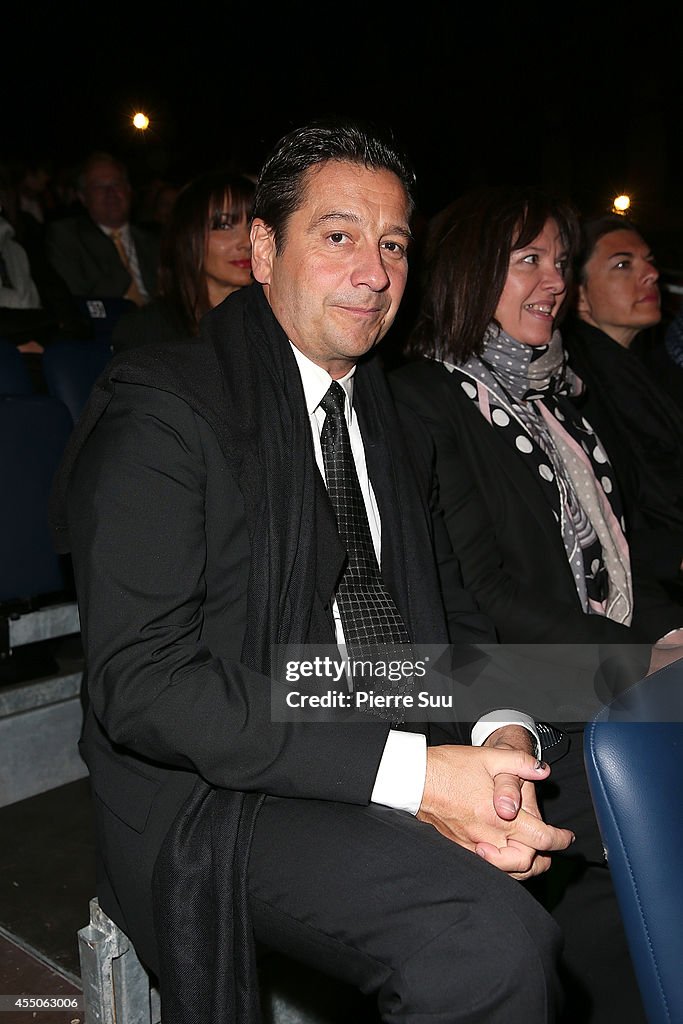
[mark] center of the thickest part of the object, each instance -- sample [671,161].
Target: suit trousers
[384,902]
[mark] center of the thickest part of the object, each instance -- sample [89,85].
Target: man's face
[106,194]
[337,285]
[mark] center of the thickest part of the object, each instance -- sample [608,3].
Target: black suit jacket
[87,261]
[162,557]
[503,530]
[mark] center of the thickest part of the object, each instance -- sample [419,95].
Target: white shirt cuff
[401,775]
[487,724]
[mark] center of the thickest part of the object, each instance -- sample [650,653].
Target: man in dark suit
[203,538]
[101,254]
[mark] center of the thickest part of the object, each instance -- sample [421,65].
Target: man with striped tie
[101,253]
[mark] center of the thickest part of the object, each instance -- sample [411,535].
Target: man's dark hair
[279,191]
[465,263]
[592,231]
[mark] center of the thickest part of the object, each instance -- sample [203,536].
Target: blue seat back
[70,369]
[634,762]
[14,376]
[33,432]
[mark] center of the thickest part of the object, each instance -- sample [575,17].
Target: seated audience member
[17,288]
[532,508]
[156,203]
[29,207]
[101,254]
[617,298]
[64,193]
[205,256]
[36,305]
[33,178]
[256,490]
[23,320]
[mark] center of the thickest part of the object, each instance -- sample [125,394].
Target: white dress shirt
[403,768]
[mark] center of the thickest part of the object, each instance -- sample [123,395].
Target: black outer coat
[161,549]
[503,530]
[641,428]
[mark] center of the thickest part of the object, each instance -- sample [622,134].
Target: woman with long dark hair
[205,256]
[533,510]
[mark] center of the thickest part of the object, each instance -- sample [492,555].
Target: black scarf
[242,378]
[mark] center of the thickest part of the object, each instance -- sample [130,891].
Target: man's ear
[262,251]
[582,303]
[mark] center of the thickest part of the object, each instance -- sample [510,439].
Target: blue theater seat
[70,369]
[33,432]
[14,375]
[634,761]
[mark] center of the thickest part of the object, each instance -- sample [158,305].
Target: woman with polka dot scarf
[528,491]
[533,510]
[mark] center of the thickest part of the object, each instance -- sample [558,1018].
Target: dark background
[586,100]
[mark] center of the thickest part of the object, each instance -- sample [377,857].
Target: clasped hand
[484,799]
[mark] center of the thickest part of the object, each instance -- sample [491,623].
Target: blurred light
[141,121]
[621,204]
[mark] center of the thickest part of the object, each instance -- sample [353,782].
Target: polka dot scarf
[524,392]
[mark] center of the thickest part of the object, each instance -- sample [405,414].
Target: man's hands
[483,798]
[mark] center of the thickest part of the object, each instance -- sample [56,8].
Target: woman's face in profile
[620,294]
[534,288]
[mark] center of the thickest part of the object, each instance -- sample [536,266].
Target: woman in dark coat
[205,256]
[533,508]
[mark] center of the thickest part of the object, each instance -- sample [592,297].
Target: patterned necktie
[133,293]
[368,613]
